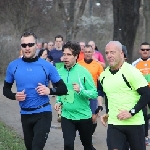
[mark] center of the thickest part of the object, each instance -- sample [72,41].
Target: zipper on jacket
[68,77]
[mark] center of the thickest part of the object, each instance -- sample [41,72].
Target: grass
[9,140]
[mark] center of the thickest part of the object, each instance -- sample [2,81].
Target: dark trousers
[36,128]
[146,120]
[118,135]
[69,127]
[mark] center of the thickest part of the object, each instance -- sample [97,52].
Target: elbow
[63,91]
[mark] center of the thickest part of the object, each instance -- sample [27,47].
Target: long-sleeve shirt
[75,105]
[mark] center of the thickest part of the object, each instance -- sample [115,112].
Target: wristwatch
[54,90]
[132,111]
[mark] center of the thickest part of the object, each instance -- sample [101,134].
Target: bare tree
[126,20]
[71,16]
[22,13]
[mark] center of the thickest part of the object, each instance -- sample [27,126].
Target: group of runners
[80,85]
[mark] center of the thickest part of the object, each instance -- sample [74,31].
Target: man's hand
[94,118]
[123,114]
[104,119]
[57,106]
[20,96]
[76,87]
[42,89]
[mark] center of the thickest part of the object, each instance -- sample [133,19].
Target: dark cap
[124,49]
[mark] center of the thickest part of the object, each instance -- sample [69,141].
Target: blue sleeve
[54,76]
[9,74]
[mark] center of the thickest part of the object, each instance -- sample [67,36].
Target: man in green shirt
[127,93]
[76,113]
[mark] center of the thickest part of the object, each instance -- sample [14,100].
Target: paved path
[9,113]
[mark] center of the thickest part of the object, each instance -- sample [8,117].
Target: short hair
[44,43]
[59,36]
[74,47]
[28,33]
[88,46]
[96,48]
[119,45]
[81,42]
[51,42]
[144,43]
[91,42]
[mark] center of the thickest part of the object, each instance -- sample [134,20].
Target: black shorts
[119,135]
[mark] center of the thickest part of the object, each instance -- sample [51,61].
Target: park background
[127,21]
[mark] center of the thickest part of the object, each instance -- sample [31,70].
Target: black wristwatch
[54,90]
[132,111]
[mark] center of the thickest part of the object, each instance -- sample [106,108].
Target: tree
[126,20]
[146,13]
[22,14]
[71,16]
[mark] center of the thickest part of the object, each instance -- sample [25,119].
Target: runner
[95,69]
[127,92]
[143,64]
[76,112]
[32,75]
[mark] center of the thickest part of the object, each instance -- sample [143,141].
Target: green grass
[9,140]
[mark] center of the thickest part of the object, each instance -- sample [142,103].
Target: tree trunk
[146,13]
[70,21]
[72,17]
[80,7]
[126,20]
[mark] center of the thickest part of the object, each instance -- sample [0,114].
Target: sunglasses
[29,44]
[145,49]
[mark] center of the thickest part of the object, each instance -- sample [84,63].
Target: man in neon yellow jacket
[76,112]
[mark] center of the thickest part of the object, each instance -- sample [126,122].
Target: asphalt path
[10,114]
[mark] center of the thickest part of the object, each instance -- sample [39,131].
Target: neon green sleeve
[90,85]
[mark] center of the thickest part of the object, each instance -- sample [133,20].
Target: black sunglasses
[29,44]
[145,49]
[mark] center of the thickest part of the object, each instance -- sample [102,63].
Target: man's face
[145,51]
[82,46]
[29,50]
[68,58]
[114,55]
[58,42]
[50,46]
[92,44]
[88,53]
[45,46]
[39,46]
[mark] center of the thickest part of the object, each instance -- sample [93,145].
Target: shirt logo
[29,69]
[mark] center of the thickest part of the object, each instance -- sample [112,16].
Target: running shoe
[147,141]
